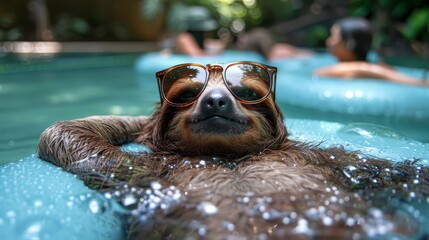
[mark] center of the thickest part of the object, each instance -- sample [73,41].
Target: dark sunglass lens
[183,84]
[248,82]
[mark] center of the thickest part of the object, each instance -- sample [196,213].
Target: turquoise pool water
[33,95]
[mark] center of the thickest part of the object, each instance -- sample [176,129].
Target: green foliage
[7,30]
[316,36]
[251,12]
[151,8]
[395,18]
[417,26]
[408,20]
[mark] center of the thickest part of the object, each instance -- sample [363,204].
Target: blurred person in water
[260,40]
[195,39]
[350,41]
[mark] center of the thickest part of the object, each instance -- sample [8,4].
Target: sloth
[222,166]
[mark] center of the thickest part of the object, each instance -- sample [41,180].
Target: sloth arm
[92,144]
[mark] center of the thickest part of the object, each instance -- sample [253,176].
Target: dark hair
[357,34]
[199,37]
[257,40]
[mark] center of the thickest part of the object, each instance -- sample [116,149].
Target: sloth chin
[218,124]
[232,135]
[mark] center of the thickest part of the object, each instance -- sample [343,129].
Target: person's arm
[350,70]
[186,44]
[284,50]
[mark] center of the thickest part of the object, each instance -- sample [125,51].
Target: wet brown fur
[262,162]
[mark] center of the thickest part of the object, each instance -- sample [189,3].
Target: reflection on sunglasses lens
[183,84]
[248,82]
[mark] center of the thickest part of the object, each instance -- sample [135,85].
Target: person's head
[350,39]
[198,22]
[257,40]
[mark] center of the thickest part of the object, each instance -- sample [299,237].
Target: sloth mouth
[218,124]
[236,119]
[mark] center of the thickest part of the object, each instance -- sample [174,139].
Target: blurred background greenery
[402,27]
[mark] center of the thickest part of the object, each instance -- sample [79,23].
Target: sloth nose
[217,100]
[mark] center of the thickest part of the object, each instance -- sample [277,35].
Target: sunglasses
[249,82]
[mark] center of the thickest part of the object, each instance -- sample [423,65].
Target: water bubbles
[155,185]
[302,227]
[144,202]
[202,163]
[350,172]
[202,231]
[135,148]
[230,165]
[312,213]
[286,220]
[94,206]
[108,195]
[38,203]
[229,226]
[96,203]
[171,166]
[32,231]
[376,213]
[220,161]
[82,197]
[129,200]
[37,227]
[10,214]
[350,222]
[377,225]
[207,208]
[266,216]
[327,221]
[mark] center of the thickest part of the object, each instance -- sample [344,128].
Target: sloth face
[219,109]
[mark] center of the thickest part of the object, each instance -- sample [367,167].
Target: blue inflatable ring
[296,85]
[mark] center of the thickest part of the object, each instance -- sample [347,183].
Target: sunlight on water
[368,135]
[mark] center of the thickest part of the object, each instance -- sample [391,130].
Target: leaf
[176,17]
[149,9]
[416,26]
